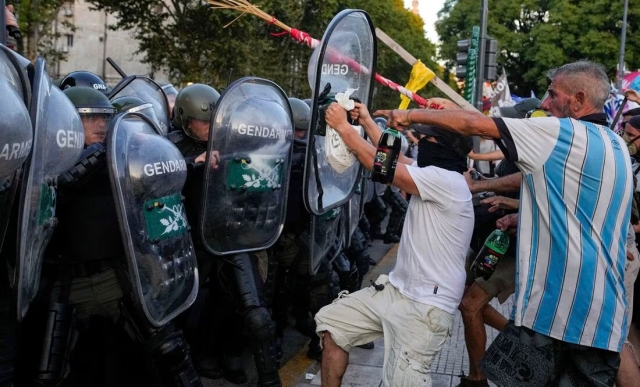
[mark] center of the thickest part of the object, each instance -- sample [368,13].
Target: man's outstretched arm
[457,120]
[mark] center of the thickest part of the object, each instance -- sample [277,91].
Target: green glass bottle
[386,158]
[494,248]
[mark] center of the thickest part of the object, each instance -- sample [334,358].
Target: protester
[572,232]
[412,307]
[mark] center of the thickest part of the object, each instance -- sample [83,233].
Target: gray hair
[586,76]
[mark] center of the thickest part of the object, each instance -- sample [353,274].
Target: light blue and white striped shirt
[575,204]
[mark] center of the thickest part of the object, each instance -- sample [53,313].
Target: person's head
[576,89]
[632,134]
[442,148]
[301,117]
[521,109]
[95,111]
[629,114]
[84,79]
[194,109]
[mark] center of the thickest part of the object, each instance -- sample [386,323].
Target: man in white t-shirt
[413,307]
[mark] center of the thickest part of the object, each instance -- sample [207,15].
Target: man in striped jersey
[569,322]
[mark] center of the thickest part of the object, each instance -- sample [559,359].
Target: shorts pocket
[408,368]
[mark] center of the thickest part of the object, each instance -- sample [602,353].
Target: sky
[429,11]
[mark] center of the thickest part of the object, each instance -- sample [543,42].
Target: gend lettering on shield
[15,150]
[335,69]
[70,139]
[162,167]
[258,131]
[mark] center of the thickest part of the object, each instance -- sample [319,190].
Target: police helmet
[301,113]
[196,101]
[86,79]
[131,104]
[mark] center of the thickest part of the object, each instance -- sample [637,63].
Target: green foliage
[198,44]
[537,35]
[36,19]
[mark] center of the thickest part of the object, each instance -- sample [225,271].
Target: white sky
[429,11]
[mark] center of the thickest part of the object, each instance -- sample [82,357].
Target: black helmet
[196,101]
[301,113]
[84,78]
[131,104]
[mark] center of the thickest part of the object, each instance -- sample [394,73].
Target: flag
[501,96]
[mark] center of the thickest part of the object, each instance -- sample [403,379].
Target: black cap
[459,143]
[520,109]
[635,122]
[632,112]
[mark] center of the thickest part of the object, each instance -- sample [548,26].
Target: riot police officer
[85,264]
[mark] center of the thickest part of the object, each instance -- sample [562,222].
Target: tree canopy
[198,44]
[537,35]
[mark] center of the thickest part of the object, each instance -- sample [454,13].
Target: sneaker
[464,382]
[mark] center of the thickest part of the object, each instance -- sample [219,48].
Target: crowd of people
[565,189]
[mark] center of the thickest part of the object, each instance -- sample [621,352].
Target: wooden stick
[437,82]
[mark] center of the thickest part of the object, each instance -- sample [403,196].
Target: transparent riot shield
[147,90]
[58,141]
[355,208]
[247,168]
[326,237]
[344,60]
[147,176]
[16,138]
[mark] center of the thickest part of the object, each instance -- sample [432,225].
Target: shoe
[209,367]
[372,262]
[367,345]
[390,238]
[464,382]
[234,370]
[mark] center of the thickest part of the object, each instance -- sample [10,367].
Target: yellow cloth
[420,76]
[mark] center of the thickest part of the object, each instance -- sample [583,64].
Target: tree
[537,35]
[198,44]
[40,29]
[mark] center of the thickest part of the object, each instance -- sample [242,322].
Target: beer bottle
[495,246]
[384,163]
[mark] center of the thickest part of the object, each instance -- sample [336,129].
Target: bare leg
[475,336]
[493,318]
[334,362]
[628,373]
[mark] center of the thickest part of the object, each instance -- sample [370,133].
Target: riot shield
[14,68]
[325,233]
[344,60]
[16,138]
[147,176]
[58,141]
[149,91]
[245,194]
[355,208]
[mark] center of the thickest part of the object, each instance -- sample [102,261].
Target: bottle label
[490,259]
[380,158]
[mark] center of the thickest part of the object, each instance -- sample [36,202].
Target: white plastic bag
[337,154]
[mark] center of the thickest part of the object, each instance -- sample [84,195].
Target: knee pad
[259,324]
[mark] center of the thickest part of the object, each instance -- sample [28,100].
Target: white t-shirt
[435,238]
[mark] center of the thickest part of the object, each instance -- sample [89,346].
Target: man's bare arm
[456,120]
[509,183]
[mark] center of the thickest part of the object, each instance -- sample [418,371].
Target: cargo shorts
[414,333]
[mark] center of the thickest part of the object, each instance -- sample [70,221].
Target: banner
[500,96]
